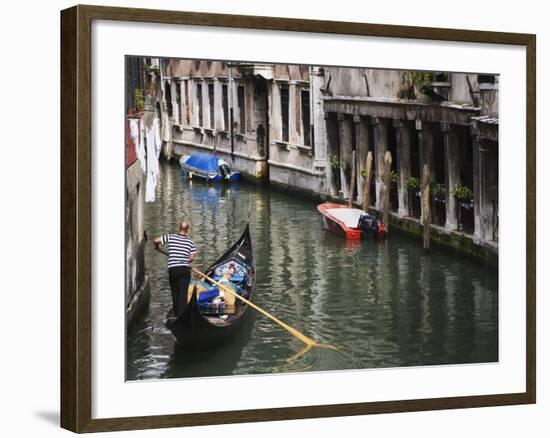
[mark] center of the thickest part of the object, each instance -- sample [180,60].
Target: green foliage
[438,190]
[394,176]
[139,98]
[363,172]
[412,183]
[334,162]
[153,69]
[462,193]
[421,80]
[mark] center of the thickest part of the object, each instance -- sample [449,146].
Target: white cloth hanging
[136,135]
[154,144]
[156,131]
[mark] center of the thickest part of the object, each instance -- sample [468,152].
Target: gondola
[204,326]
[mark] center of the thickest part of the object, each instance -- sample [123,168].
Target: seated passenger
[223,296]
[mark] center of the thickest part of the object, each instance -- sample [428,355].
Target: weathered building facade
[452,127]
[299,126]
[259,116]
[142,108]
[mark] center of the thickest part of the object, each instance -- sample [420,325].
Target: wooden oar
[306,340]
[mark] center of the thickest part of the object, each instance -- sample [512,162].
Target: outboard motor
[369,224]
[224,169]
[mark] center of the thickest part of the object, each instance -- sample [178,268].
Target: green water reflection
[384,304]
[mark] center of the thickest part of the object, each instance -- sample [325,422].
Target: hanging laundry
[137,140]
[152,140]
[158,141]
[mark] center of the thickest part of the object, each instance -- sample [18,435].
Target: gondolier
[205,324]
[181,252]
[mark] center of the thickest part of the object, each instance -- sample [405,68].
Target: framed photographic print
[342,214]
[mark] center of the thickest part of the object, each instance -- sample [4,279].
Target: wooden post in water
[367,183]
[387,182]
[170,143]
[426,206]
[352,180]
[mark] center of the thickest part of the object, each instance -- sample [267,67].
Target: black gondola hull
[193,331]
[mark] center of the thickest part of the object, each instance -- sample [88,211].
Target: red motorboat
[352,223]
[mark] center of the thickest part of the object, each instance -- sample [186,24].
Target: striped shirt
[180,247]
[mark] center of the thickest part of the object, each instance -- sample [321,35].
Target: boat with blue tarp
[208,167]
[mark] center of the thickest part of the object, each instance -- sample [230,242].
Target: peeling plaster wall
[353,82]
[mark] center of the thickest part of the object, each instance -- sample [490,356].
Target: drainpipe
[230,92]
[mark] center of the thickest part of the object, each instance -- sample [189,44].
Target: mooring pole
[387,182]
[426,206]
[367,183]
[352,180]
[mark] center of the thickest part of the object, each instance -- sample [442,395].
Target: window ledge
[283,144]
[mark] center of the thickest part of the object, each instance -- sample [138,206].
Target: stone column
[193,104]
[483,207]
[175,106]
[426,145]
[205,105]
[488,186]
[344,129]
[275,123]
[478,222]
[218,105]
[317,111]
[380,148]
[403,134]
[362,147]
[293,114]
[332,144]
[452,173]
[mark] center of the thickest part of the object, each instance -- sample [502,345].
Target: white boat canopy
[349,216]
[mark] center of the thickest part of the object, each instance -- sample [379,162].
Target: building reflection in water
[383,303]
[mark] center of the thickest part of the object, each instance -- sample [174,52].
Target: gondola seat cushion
[208,295]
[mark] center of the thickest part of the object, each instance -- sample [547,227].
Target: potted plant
[422,82]
[335,167]
[438,192]
[465,206]
[152,69]
[412,183]
[139,100]
[463,194]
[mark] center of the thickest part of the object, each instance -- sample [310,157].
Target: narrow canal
[383,304]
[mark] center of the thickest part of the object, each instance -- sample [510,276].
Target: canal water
[381,303]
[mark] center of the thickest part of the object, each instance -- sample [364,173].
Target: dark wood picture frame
[76,217]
